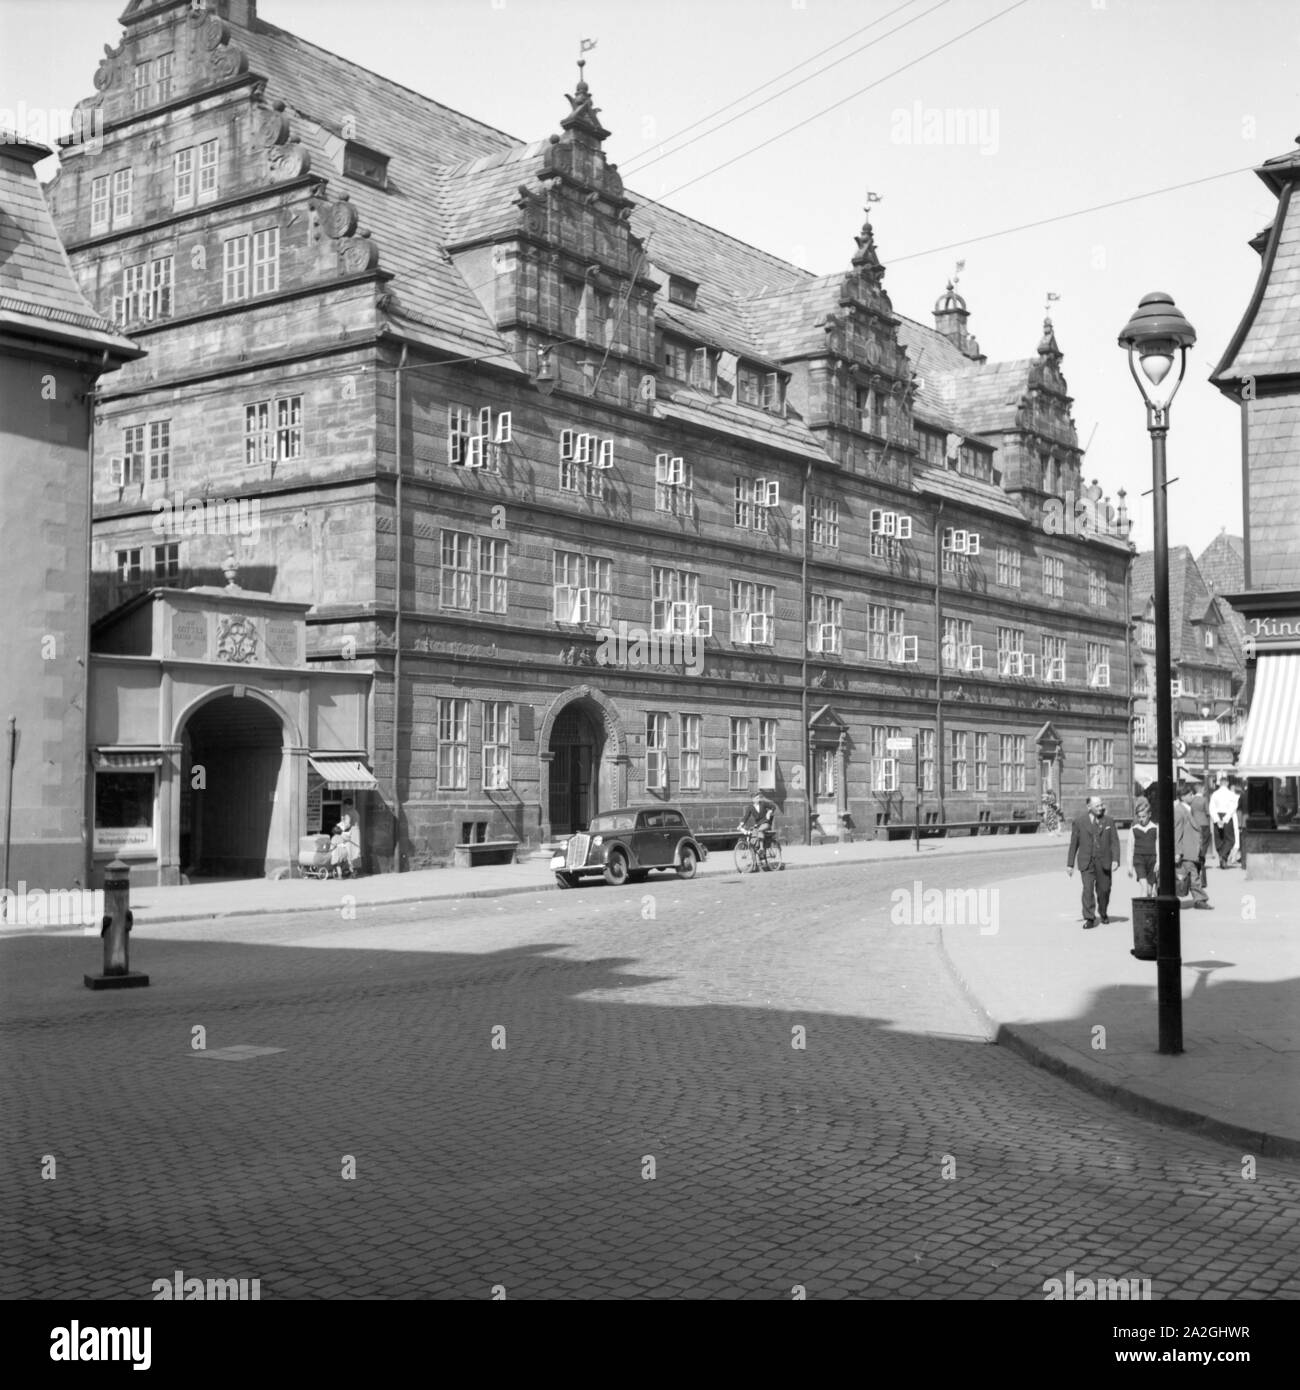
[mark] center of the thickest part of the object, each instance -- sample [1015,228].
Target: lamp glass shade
[1155,365]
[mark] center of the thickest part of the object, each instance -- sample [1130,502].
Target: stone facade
[529,409]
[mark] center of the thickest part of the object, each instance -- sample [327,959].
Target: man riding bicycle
[760,816]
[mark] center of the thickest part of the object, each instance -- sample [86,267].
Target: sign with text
[898,745]
[1201,730]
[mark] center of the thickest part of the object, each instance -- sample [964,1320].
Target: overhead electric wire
[644,163]
[817,115]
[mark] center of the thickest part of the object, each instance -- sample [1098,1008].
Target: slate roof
[39,295]
[1223,564]
[1267,342]
[1189,599]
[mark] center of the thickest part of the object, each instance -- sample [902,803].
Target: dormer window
[676,359]
[703,369]
[682,291]
[1209,640]
[763,389]
[365,165]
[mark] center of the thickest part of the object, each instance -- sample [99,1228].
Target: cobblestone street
[644,1127]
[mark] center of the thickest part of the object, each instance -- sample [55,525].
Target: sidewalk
[1075,1002]
[1078,1003]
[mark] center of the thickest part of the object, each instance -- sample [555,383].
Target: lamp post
[1155,337]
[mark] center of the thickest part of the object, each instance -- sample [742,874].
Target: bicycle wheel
[744,857]
[772,855]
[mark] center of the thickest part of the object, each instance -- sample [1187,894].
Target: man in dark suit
[1187,852]
[1094,843]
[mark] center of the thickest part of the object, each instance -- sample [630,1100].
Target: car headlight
[597,840]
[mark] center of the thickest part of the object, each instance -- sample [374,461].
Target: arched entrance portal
[577,742]
[226,821]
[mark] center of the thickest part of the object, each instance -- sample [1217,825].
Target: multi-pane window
[110,200]
[209,152]
[183,177]
[1140,729]
[496,745]
[167,560]
[749,386]
[160,450]
[1101,764]
[981,762]
[753,613]
[884,764]
[955,651]
[825,517]
[264,249]
[958,745]
[273,430]
[688,778]
[1147,634]
[160,288]
[739,755]
[453,744]
[754,498]
[925,755]
[674,486]
[767,754]
[146,453]
[884,631]
[1011,757]
[234,269]
[1098,593]
[581,588]
[1011,651]
[584,460]
[703,369]
[1141,685]
[570,306]
[1008,567]
[825,624]
[674,600]
[676,361]
[151,82]
[127,563]
[1098,661]
[266,261]
[1053,576]
[146,291]
[491,576]
[1053,658]
[656,752]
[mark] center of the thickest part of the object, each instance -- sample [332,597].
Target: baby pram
[314,856]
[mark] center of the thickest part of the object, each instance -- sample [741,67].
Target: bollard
[115,932]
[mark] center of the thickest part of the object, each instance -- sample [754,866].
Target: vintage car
[623,846]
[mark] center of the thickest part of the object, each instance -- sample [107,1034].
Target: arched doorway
[226,821]
[577,743]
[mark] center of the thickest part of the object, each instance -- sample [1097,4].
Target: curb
[145,917]
[1033,1046]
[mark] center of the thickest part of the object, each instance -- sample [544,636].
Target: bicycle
[754,852]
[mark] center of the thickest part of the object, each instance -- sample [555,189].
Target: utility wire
[817,115]
[644,163]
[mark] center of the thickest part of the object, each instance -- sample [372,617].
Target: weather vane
[956,275]
[1052,297]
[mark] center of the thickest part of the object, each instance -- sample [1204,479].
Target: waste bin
[1144,928]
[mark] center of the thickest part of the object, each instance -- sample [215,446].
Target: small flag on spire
[586,44]
[874,197]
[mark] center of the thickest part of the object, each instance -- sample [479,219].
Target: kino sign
[1271,634]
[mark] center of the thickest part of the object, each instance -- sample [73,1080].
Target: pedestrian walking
[345,844]
[1223,818]
[1187,850]
[1095,845]
[1143,848]
[1199,806]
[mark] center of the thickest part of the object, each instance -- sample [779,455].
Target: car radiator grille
[577,855]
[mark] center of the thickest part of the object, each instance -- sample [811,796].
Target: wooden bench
[899,831]
[481,852]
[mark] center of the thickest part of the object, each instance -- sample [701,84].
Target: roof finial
[1052,297]
[584,44]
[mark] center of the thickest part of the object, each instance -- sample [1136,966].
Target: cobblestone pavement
[647,1125]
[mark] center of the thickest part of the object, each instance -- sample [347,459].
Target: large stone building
[54,347]
[1206,661]
[609,504]
[1260,373]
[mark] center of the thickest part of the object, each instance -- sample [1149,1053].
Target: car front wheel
[686,868]
[616,871]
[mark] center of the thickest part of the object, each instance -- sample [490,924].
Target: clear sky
[1071,104]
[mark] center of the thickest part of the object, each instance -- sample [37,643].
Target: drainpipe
[803,674]
[87,543]
[398,861]
[938,666]
[12,740]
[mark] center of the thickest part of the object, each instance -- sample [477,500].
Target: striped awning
[126,760]
[1271,747]
[347,774]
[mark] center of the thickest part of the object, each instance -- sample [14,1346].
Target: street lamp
[1157,337]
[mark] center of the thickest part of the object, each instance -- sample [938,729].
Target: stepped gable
[39,294]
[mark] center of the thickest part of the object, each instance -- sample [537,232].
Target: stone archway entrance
[577,742]
[226,823]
